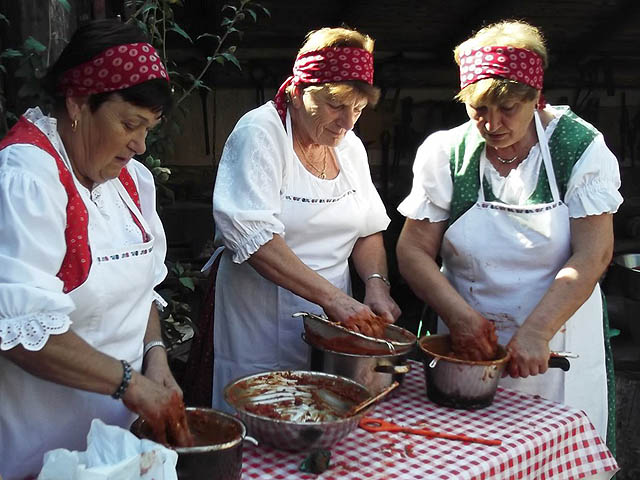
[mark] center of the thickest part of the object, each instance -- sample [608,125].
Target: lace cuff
[159,301]
[32,331]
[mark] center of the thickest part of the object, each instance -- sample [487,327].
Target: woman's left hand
[529,353]
[378,299]
[157,369]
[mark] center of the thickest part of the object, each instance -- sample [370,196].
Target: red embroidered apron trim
[77,259]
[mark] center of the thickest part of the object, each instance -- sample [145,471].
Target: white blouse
[32,243]
[259,167]
[592,188]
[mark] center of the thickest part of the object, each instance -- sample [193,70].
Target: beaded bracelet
[126,378]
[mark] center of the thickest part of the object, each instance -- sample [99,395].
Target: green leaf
[264,10]
[4,19]
[187,282]
[65,4]
[3,69]
[232,58]
[211,35]
[176,28]
[232,49]
[34,45]
[230,7]
[226,21]
[219,59]
[252,13]
[10,53]
[179,268]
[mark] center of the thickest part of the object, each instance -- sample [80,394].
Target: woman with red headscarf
[81,251]
[293,201]
[518,203]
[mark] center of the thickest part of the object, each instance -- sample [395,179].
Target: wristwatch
[381,277]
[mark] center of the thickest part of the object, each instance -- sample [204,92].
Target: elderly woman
[82,250]
[518,203]
[293,201]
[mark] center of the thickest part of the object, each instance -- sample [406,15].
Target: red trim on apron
[77,259]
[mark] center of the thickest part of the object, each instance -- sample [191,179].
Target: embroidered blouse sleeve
[246,197]
[430,196]
[147,193]
[32,223]
[593,186]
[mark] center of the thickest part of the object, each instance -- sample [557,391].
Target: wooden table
[540,440]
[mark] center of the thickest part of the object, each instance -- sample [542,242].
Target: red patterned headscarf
[519,64]
[331,64]
[117,68]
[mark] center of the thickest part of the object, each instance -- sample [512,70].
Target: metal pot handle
[250,440]
[396,369]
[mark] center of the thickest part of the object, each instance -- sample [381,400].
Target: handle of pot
[559,362]
[250,440]
[396,369]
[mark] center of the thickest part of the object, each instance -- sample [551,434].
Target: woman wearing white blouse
[518,202]
[81,251]
[293,201]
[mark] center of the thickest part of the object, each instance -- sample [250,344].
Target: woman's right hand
[162,408]
[474,338]
[355,316]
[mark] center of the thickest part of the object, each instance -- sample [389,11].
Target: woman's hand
[354,315]
[378,299]
[529,353]
[156,368]
[162,408]
[474,338]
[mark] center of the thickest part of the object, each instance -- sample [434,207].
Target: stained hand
[474,339]
[355,316]
[529,354]
[163,410]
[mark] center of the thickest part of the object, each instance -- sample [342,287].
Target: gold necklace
[321,173]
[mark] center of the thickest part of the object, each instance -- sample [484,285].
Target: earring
[74,125]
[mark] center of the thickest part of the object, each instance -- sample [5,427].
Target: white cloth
[262,189]
[109,310]
[504,273]
[592,188]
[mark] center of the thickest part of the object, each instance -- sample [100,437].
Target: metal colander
[319,330]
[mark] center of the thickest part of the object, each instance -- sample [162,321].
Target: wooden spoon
[362,405]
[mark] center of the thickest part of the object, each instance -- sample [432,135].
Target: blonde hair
[339,37]
[507,33]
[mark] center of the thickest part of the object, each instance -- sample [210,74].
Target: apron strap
[130,202]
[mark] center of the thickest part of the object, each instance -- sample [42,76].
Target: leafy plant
[158,19]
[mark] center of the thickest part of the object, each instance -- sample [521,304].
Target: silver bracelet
[150,345]
[381,277]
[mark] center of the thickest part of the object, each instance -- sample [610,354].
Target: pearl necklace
[506,161]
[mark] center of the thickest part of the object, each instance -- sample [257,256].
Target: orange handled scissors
[371,424]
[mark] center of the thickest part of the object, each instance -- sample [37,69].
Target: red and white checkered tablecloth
[541,440]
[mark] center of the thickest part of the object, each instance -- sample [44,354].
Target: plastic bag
[113,453]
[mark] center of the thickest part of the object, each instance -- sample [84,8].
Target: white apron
[502,259]
[112,310]
[250,339]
